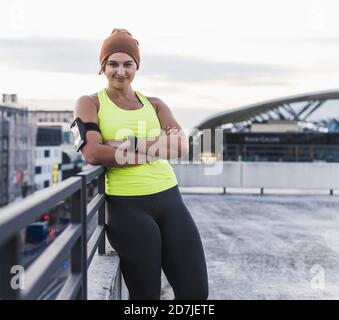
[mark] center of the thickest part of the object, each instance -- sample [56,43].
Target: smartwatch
[133,143]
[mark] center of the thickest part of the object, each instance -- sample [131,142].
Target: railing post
[9,257]
[79,250]
[101,213]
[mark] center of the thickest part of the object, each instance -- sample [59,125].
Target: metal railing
[72,242]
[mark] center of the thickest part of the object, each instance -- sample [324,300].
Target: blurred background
[196,57]
[264,72]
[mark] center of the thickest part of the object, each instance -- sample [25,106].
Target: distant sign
[261,139]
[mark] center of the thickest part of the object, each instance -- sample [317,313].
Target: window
[67,138]
[46,184]
[46,153]
[38,170]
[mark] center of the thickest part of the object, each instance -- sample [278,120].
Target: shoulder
[158,104]
[86,107]
[90,101]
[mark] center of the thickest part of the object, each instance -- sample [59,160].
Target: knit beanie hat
[120,40]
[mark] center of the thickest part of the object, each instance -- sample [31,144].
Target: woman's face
[120,69]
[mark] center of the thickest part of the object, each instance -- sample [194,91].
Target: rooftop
[268,246]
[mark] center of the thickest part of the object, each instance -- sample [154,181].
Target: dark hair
[102,68]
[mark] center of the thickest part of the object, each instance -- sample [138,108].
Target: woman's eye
[115,65]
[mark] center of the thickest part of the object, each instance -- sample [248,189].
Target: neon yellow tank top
[118,123]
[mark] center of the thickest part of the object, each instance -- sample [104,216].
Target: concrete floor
[268,246]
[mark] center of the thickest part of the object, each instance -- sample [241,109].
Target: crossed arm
[171,144]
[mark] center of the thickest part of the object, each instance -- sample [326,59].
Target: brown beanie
[120,40]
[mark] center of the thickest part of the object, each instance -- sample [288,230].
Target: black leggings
[157,231]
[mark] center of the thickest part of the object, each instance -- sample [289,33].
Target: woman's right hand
[171,130]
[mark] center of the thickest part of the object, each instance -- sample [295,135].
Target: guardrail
[71,242]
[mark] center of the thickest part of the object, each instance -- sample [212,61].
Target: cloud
[185,69]
[50,55]
[80,56]
[328,41]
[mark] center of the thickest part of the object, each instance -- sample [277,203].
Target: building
[36,149]
[55,155]
[57,123]
[72,161]
[275,126]
[63,116]
[302,128]
[48,157]
[17,144]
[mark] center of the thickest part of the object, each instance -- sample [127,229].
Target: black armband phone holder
[79,129]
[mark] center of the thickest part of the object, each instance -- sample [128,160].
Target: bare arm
[94,151]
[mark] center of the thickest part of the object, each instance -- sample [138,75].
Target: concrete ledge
[105,281]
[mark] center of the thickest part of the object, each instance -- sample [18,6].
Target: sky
[195,55]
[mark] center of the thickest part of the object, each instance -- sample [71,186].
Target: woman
[148,223]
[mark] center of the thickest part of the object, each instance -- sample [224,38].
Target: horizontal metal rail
[73,242]
[94,205]
[19,215]
[93,173]
[94,242]
[38,274]
[71,286]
